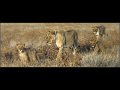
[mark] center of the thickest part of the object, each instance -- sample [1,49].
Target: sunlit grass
[34,35]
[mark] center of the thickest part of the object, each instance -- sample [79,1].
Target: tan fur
[64,39]
[92,44]
[23,55]
[99,32]
[26,54]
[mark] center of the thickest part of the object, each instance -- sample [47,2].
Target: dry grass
[34,36]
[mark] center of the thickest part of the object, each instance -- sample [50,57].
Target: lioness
[99,32]
[64,39]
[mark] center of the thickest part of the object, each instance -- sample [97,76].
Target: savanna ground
[34,35]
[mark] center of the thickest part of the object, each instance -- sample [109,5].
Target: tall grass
[34,36]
